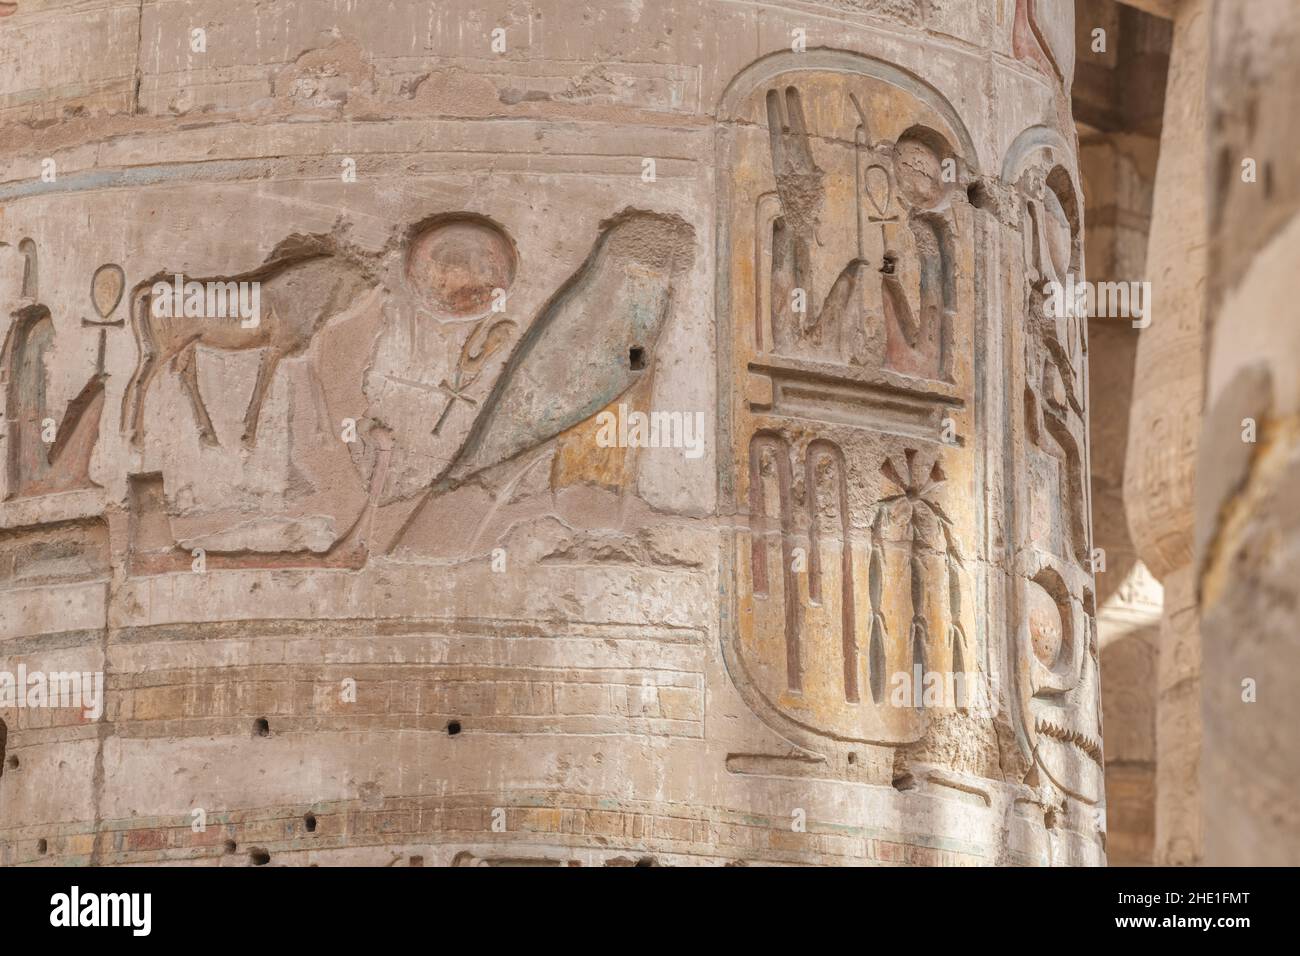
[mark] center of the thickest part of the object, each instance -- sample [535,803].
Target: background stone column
[1160,466]
[1119,95]
[1248,499]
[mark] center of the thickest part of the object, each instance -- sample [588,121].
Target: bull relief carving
[300,288]
[197,413]
[848,294]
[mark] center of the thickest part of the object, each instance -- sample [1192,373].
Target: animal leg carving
[187,365]
[265,373]
[133,400]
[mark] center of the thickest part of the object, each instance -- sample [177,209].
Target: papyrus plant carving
[918,498]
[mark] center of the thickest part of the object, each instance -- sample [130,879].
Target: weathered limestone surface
[1246,508]
[367,584]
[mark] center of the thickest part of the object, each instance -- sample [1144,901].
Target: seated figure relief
[848,270]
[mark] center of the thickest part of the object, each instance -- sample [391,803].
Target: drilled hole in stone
[646,861]
[979,197]
[636,358]
[853,758]
[42,846]
[905,782]
[258,856]
[12,762]
[231,846]
[453,728]
[262,727]
[309,821]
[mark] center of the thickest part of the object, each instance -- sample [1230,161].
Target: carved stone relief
[859,469]
[1043,34]
[868,572]
[412,352]
[1057,654]
[46,454]
[848,279]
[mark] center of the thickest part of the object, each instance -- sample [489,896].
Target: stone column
[1119,103]
[544,432]
[1160,465]
[1247,529]
[1119,171]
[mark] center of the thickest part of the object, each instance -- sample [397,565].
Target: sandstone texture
[393,575]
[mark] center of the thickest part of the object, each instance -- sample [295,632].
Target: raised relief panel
[401,377]
[510,392]
[302,287]
[202,417]
[616,305]
[1057,690]
[847,306]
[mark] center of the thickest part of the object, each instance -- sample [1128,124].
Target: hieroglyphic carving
[436,336]
[30,340]
[931,533]
[31,271]
[801,322]
[459,264]
[302,285]
[488,337]
[822,453]
[849,409]
[305,283]
[769,454]
[54,552]
[898,187]
[770,457]
[1057,658]
[1042,33]
[47,455]
[616,305]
